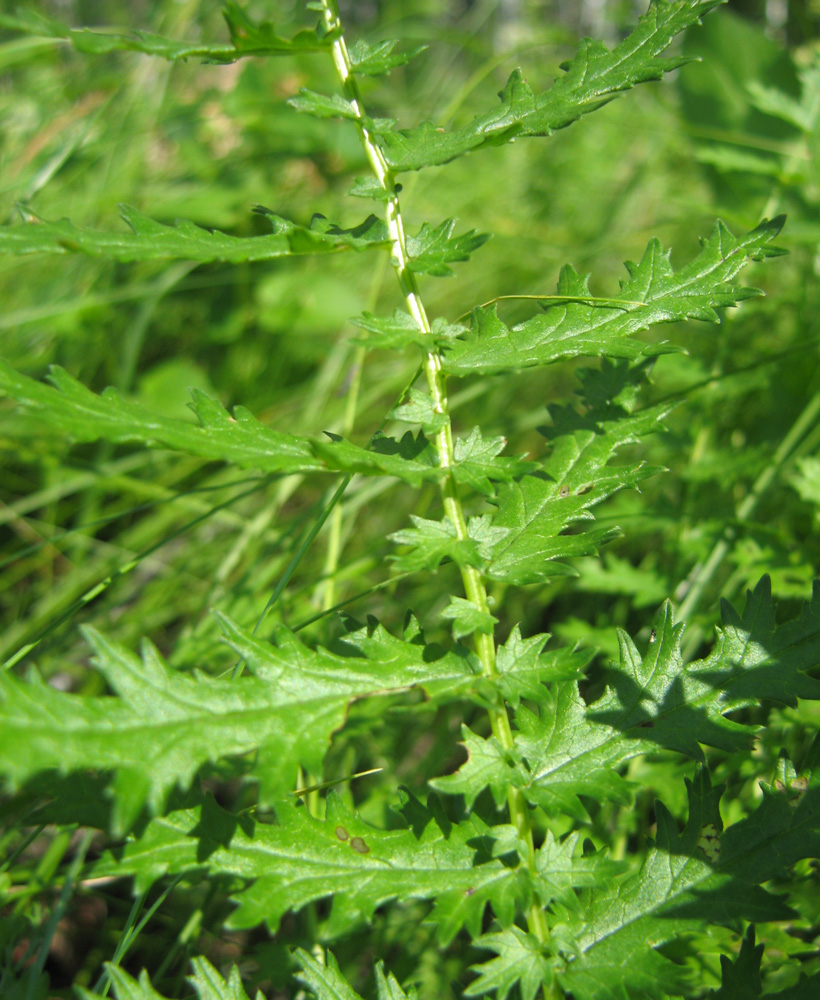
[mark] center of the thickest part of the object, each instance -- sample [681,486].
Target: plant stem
[704,573]
[473,581]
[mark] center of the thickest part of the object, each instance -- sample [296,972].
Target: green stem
[473,581]
[707,570]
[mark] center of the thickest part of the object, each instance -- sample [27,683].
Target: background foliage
[146,543]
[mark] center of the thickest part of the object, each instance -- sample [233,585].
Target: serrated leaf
[594,76]
[467,618]
[525,665]
[412,459]
[562,868]
[323,105]
[678,889]
[85,416]
[302,859]
[520,959]
[741,978]
[478,463]
[654,293]
[152,240]
[419,408]
[207,982]
[434,247]
[163,725]
[248,38]
[324,980]
[400,330]
[373,60]
[538,509]
[431,542]
[566,748]
[333,106]
[369,187]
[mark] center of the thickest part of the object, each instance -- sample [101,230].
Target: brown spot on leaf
[359,845]
[341,833]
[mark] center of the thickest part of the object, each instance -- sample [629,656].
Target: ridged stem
[473,581]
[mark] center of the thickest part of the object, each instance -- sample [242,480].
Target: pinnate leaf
[566,748]
[679,888]
[467,618]
[594,76]
[478,462]
[248,38]
[537,510]
[520,959]
[653,293]
[162,726]
[302,859]
[434,247]
[400,330]
[431,542]
[152,240]
[207,982]
[85,416]
[374,60]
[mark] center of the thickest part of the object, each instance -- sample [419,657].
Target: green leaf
[520,959]
[477,463]
[325,981]
[419,408]
[537,510]
[412,459]
[373,60]
[431,542]
[151,240]
[207,982]
[125,987]
[653,293]
[85,416]
[467,618]
[400,330]
[434,247]
[302,859]
[323,105]
[679,888]
[334,106]
[566,748]
[163,725]
[594,76]
[741,979]
[248,38]
[525,665]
